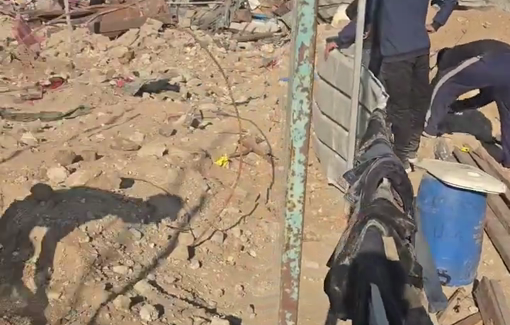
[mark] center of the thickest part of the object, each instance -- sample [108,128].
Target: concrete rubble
[124,180]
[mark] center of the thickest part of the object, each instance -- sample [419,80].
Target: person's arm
[483,98]
[347,36]
[443,14]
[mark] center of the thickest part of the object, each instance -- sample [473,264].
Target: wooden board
[497,230]
[492,303]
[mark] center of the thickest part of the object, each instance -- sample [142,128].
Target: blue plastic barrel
[452,222]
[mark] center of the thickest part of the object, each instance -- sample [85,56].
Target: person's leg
[375,62]
[396,77]
[420,100]
[470,74]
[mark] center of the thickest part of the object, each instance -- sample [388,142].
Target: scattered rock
[268,48]
[121,53]
[239,289]
[122,302]
[128,38]
[151,27]
[28,139]
[8,142]
[137,137]
[65,157]
[149,313]
[143,287]
[124,145]
[89,155]
[155,149]
[218,237]
[81,178]
[57,174]
[237,232]
[219,293]
[53,295]
[137,234]
[186,238]
[194,83]
[121,269]
[219,321]
[167,131]
[194,264]
[180,252]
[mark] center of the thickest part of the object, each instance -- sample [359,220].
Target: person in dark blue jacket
[401,36]
[449,57]
[488,72]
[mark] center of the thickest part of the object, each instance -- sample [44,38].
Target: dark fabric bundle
[382,196]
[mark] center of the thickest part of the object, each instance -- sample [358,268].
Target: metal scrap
[48,116]
[115,22]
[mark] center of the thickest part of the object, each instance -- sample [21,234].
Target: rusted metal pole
[299,108]
[356,80]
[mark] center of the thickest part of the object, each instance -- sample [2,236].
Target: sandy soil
[120,215]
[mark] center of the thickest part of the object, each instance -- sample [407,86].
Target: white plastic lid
[462,176]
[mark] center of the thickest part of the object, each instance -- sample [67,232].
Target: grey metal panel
[331,163]
[335,104]
[331,111]
[338,71]
[329,132]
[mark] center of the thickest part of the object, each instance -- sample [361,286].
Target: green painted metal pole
[299,108]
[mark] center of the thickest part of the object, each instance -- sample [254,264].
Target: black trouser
[407,84]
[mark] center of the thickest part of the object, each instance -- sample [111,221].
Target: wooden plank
[472,319]
[497,232]
[496,203]
[452,302]
[498,236]
[492,303]
[493,168]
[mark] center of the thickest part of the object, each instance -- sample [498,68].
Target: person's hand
[367,33]
[430,28]
[329,47]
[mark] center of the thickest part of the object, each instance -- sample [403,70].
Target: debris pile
[122,213]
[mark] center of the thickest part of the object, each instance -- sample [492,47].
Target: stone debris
[134,173]
[29,139]
[152,150]
[81,177]
[65,157]
[121,269]
[194,264]
[149,313]
[219,321]
[124,145]
[57,175]
[122,302]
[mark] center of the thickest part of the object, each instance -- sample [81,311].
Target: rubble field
[134,191]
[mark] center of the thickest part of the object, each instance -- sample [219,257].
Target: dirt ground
[120,214]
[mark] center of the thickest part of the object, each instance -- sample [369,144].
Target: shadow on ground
[57,213]
[471,122]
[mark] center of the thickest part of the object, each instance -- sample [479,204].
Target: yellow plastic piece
[222,161]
